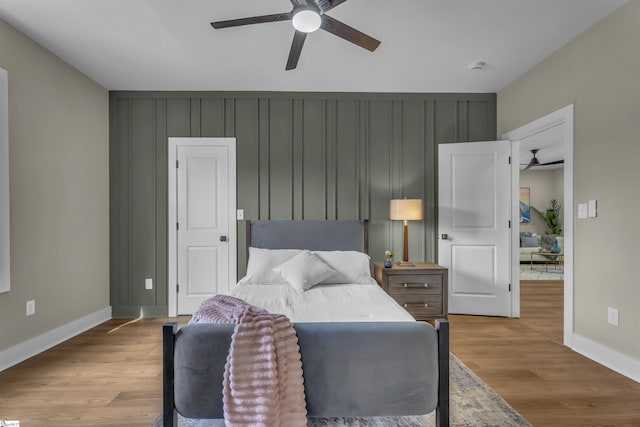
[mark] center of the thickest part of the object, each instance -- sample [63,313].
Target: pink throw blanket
[263,383]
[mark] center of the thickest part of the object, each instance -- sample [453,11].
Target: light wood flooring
[111,375]
[525,362]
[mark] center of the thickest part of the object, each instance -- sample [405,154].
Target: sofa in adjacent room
[532,243]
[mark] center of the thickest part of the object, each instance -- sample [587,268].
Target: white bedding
[325,303]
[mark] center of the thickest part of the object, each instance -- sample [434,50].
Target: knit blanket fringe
[263,382]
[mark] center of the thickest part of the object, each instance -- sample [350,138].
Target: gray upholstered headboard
[336,235]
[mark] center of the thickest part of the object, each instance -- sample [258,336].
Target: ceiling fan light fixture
[307,16]
[306,20]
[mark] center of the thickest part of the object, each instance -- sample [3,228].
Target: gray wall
[299,156]
[59,185]
[598,73]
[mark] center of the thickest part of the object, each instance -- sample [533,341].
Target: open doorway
[543,249]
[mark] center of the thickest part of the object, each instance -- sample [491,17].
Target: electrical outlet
[612,316]
[148,284]
[31,307]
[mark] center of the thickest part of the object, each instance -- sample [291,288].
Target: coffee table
[556,259]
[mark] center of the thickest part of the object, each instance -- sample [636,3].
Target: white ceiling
[550,146]
[427,45]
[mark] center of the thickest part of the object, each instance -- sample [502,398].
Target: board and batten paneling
[299,156]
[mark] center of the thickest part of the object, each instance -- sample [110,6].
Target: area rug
[538,273]
[472,403]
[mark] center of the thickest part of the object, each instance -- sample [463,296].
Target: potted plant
[551,217]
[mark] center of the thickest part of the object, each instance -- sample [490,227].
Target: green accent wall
[299,156]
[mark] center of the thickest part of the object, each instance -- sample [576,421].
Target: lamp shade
[405,209]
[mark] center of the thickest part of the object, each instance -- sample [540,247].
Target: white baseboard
[621,363]
[31,347]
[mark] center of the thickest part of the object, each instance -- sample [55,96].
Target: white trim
[5,224]
[564,117]
[172,236]
[515,229]
[604,355]
[31,347]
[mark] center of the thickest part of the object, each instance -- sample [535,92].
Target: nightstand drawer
[418,284]
[420,305]
[415,280]
[426,313]
[403,298]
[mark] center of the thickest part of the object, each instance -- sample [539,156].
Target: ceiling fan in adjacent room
[535,162]
[307,16]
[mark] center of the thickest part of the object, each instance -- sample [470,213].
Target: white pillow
[350,267]
[261,264]
[304,270]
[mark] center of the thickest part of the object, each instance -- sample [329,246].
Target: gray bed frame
[351,369]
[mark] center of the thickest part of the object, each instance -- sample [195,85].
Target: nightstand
[421,289]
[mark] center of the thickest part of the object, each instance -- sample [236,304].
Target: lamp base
[405,264]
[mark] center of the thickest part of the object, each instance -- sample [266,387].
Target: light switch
[582,211]
[592,209]
[31,307]
[148,284]
[239,214]
[612,316]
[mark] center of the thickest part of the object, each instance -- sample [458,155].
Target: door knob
[223,238]
[445,237]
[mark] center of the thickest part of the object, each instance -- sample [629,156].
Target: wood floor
[111,375]
[525,362]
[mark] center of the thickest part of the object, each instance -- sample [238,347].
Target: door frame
[5,225]
[562,117]
[172,214]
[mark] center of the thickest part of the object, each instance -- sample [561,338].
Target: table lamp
[405,210]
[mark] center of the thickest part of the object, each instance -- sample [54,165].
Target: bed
[360,360]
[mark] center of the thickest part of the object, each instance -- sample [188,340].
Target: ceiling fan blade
[335,3]
[277,17]
[348,33]
[323,5]
[557,162]
[296,48]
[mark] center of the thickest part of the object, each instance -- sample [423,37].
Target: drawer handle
[415,303]
[416,285]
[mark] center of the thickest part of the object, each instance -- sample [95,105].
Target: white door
[204,221]
[474,210]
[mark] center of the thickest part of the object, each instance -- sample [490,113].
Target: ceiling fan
[535,162]
[307,16]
